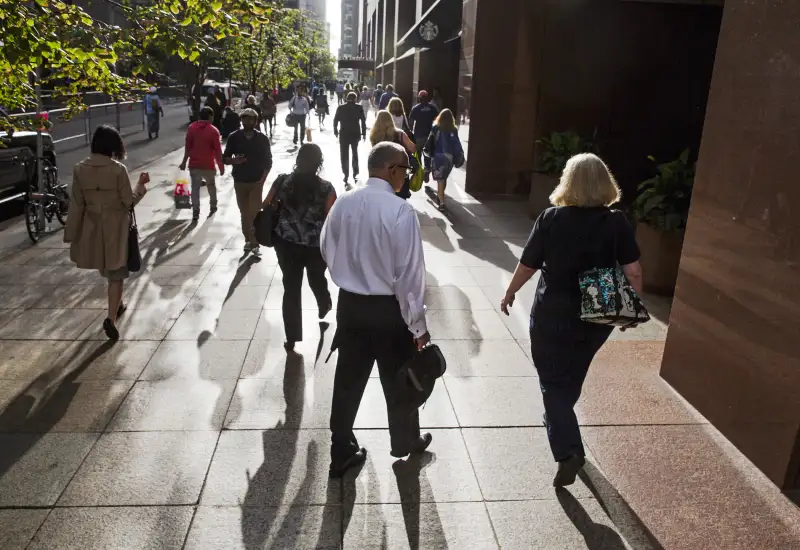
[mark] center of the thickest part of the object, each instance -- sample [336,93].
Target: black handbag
[265,223]
[134,254]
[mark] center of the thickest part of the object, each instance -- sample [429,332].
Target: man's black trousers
[370,329]
[346,147]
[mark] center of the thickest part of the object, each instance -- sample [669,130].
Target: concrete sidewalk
[197,431]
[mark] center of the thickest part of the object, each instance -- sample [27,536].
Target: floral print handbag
[607,298]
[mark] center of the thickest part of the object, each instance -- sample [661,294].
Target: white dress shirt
[372,244]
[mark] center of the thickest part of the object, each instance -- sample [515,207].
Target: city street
[197,431]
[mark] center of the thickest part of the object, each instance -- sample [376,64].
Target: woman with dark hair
[100,217]
[305,200]
[213,101]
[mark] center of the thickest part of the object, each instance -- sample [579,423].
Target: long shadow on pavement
[44,402]
[414,487]
[263,501]
[629,525]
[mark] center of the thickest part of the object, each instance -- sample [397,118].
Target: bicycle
[54,202]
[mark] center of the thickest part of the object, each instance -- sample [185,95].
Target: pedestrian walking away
[366,100]
[268,111]
[100,217]
[219,109]
[579,233]
[349,125]
[203,151]
[153,109]
[372,245]
[300,107]
[376,96]
[305,201]
[422,117]
[386,97]
[340,92]
[385,130]
[321,107]
[398,112]
[443,152]
[248,150]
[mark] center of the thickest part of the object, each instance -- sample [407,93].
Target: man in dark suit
[350,116]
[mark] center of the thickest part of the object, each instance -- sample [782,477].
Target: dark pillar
[389,39]
[379,36]
[733,347]
[404,69]
[504,94]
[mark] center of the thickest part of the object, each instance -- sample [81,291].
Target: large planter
[542,186]
[661,257]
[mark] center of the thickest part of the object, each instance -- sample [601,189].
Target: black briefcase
[417,377]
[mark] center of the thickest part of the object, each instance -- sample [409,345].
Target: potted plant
[552,154]
[661,210]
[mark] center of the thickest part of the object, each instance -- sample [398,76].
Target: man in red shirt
[203,151]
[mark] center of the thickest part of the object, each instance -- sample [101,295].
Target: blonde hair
[446,121]
[587,182]
[395,107]
[383,129]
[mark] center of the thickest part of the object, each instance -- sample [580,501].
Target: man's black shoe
[195,217]
[567,470]
[212,211]
[338,468]
[419,446]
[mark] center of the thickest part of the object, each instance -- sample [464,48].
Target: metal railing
[78,130]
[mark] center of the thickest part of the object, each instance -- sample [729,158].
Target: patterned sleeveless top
[302,223]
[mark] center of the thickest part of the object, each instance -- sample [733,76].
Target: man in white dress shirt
[372,244]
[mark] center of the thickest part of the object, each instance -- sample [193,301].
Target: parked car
[18,160]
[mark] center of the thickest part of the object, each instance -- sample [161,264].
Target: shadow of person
[414,489]
[596,535]
[238,277]
[458,300]
[44,402]
[265,489]
[627,522]
[477,240]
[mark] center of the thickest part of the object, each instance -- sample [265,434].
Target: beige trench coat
[99,214]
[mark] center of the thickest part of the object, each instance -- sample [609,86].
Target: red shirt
[203,145]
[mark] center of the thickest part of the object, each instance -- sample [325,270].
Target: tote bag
[607,297]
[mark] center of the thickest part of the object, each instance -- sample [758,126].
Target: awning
[409,53]
[439,25]
[359,63]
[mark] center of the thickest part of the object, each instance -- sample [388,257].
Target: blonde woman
[443,152]
[581,231]
[366,100]
[385,130]
[398,112]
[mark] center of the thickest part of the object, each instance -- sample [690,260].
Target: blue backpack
[448,142]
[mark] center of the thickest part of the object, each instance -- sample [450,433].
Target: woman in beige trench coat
[99,217]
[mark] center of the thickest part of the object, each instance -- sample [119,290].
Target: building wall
[349,27]
[637,72]
[732,348]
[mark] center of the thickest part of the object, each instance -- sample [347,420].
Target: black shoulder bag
[134,254]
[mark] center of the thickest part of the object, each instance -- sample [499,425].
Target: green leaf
[193,56]
[216,5]
[186,22]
